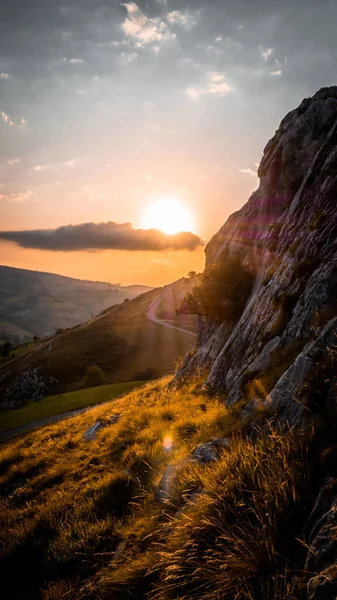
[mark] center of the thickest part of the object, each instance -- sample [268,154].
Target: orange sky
[107,107]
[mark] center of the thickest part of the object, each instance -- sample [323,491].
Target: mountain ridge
[39,303]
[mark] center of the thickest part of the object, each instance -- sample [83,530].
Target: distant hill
[122,341]
[34,303]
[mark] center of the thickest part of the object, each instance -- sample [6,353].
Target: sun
[169,216]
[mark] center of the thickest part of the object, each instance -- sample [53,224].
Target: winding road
[151,312]
[151,315]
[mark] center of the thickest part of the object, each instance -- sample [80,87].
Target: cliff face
[287,232]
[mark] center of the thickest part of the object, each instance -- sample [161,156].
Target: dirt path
[5,435]
[151,313]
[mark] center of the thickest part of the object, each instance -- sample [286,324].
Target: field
[60,403]
[82,520]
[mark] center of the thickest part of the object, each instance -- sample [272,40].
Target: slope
[121,341]
[34,303]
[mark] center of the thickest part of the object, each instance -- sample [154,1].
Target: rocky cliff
[287,233]
[278,361]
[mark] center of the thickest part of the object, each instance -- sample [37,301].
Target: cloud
[12,162]
[102,236]
[5,76]
[143,30]
[20,197]
[249,171]
[7,119]
[12,121]
[112,44]
[216,85]
[185,20]
[41,167]
[126,58]
[266,52]
[161,261]
[276,73]
[76,61]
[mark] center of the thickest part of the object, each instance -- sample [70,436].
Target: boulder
[90,434]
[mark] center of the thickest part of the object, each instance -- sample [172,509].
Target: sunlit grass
[83,521]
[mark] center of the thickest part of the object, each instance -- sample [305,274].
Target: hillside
[122,341]
[219,483]
[34,303]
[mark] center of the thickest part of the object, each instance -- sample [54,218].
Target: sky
[107,108]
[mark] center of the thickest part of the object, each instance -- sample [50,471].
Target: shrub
[145,374]
[94,376]
[224,290]
[5,349]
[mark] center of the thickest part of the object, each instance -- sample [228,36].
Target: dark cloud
[102,236]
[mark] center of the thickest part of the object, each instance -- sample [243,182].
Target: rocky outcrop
[287,233]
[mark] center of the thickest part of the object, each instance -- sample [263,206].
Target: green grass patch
[54,405]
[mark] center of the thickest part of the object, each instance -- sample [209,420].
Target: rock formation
[287,233]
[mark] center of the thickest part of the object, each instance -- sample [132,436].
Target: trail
[151,312]
[8,433]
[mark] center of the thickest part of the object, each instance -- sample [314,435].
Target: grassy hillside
[81,519]
[122,342]
[61,403]
[34,303]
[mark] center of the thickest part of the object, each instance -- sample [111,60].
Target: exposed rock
[204,453]
[28,385]
[287,233]
[165,487]
[90,434]
[209,451]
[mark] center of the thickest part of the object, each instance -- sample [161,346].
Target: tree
[94,376]
[224,290]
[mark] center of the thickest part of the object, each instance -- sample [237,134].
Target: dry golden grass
[80,520]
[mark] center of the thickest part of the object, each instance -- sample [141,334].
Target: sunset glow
[169,216]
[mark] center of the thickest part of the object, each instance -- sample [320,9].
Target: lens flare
[167,443]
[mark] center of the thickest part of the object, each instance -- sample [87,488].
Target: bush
[5,349]
[145,375]
[94,376]
[224,290]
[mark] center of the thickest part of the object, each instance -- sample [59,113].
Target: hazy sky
[107,107]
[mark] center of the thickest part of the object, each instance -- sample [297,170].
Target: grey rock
[165,487]
[287,232]
[90,434]
[209,451]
